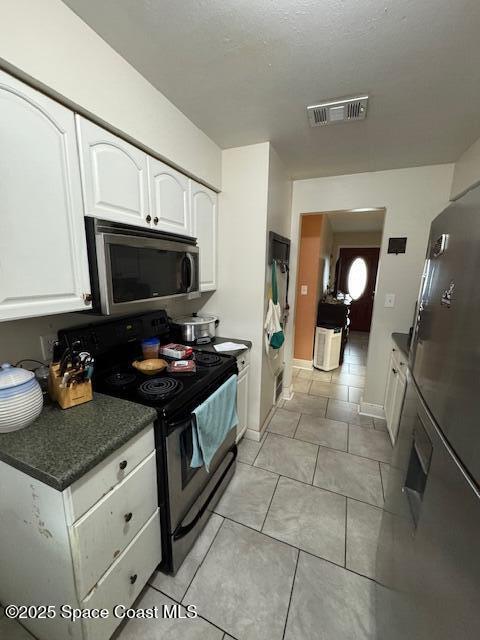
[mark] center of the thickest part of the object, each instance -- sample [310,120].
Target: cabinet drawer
[400,360]
[125,579]
[103,532]
[88,490]
[243,360]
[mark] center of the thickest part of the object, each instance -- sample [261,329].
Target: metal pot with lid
[197,329]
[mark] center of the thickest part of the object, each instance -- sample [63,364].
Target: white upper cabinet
[114,176]
[204,228]
[43,254]
[169,199]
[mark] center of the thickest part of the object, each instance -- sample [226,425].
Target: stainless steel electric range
[187,495]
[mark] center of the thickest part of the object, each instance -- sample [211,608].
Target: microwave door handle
[183,274]
[191,270]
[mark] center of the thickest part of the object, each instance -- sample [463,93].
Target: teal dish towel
[213,420]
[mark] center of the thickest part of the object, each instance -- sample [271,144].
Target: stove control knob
[123,464]
[128,516]
[155,220]
[148,218]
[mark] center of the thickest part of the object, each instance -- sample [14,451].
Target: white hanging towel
[274,336]
[272,322]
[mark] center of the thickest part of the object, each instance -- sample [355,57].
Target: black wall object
[279,249]
[397,245]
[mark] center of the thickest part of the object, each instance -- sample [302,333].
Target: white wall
[412,198]
[278,220]
[354,239]
[48,43]
[242,227]
[467,170]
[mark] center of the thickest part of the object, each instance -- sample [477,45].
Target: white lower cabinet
[101,559]
[242,393]
[123,582]
[43,254]
[204,227]
[97,539]
[395,392]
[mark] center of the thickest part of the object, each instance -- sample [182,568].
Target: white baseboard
[371,410]
[303,364]
[287,393]
[240,435]
[257,436]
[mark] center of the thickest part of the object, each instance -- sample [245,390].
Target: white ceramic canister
[21,398]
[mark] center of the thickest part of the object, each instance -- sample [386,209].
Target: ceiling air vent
[334,111]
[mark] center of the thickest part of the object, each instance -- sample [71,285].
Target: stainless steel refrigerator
[428,560]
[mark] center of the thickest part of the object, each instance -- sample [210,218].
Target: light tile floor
[289,553]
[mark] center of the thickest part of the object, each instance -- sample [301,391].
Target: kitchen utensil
[150,367]
[21,398]
[197,329]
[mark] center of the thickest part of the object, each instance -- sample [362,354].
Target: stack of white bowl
[21,398]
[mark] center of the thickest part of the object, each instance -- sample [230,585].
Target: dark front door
[357,276]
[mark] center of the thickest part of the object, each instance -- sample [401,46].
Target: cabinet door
[390,390]
[399,395]
[204,228]
[169,198]
[114,176]
[43,255]
[242,403]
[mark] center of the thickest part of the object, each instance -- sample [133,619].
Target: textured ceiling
[244,71]
[346,221]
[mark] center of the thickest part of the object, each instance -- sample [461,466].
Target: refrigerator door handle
[418,468]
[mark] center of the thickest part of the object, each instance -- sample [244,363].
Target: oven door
[137,273]
[193,492]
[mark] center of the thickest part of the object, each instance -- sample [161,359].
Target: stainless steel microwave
[135,270]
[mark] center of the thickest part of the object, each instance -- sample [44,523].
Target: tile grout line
[270,504]
[196,571]
[281,435]
[261,446]
[315,486]
[206,554]
[291,594]
[288,544]
[182,605]
[381,480]
[315,467]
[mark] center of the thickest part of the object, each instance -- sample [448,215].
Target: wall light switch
[304,290]
[389,300]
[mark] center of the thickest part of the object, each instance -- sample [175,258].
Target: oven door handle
[182,531]
[178,423]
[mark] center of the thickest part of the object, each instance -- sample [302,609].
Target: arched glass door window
[357,278]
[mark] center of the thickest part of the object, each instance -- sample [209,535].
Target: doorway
[356,276]
[338,261]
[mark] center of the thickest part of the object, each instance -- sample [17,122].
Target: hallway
[289,552]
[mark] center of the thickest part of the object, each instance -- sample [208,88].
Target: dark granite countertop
[62,445]
[401,340]
[217,340]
